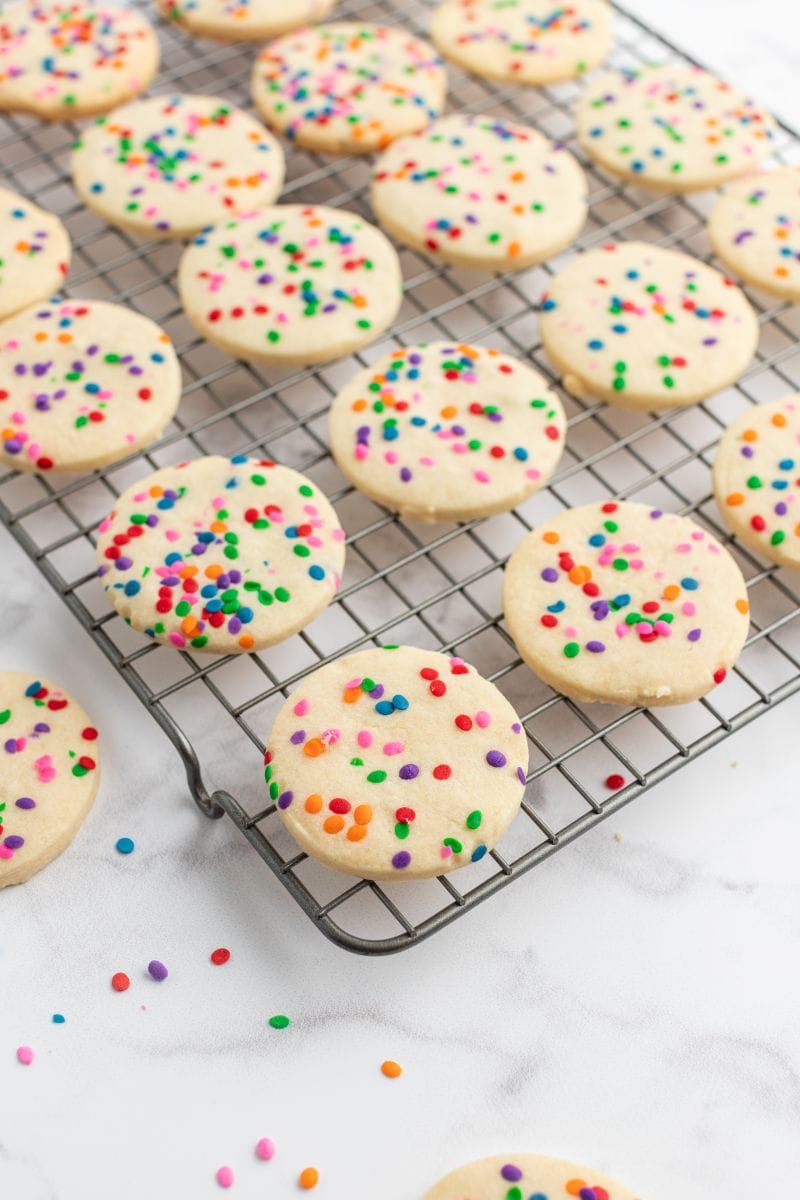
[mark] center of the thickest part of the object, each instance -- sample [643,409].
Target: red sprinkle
[120,982]
[220,956]
[615,782]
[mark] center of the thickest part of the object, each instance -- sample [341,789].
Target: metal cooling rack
[432,586]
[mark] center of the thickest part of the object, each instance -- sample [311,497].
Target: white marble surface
[632,1003]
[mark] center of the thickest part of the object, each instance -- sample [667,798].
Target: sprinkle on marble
[265,1149]
[120,982]
[25,1055]
[308,1178]
[279,1021]
[225,1177]
[157,971]
[220,956]
[391,1070]
[125,845]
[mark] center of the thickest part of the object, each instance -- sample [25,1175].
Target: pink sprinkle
[688,608]
[25,1055]
[265,1149]
[482,476]
[483,719]
[301,708]
[394,748]
[364,738]
[225,1177]
[5,852]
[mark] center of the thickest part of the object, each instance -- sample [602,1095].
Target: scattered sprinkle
[225,1177]
[58,1019]
[25,1055]
[615,782]
[125,845]
[120,982]
[157,970]
[220,956]
[279,1021]
[265,1149]
[391,1070]
[309,1178]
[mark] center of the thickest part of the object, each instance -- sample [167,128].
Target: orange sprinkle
[314,747]
[214,571]
[351,695]
[313,802]
[514,249]
[309,1178]
[779,420]
[580,575]
[743,606]
[188,625]
[551,538]
[357,833]
[359,405]
[750,435]
[246,641]
[219,527]
[391,1070]
[362,815]
[333,824]
[449,410]
[671,591]
[156,491]
[735,499]
[575,1187]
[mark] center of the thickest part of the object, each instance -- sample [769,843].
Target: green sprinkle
[279,1022]
[474,819]
[376,777]
[572,649]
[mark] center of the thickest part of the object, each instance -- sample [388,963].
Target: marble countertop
[631,1004]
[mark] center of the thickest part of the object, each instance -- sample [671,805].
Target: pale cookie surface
[243,20]
[82,383]
[62,60]
[480,191]
[396,763]
[526,1177]
[34,253]
[48,776]
[646,328]
[347,88]
[447,432]
[755,229]
[626,604]
[224,555]
[757,479]
[675,127]
[170,165]
[291,284]
[523,41]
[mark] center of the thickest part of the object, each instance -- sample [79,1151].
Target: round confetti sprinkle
[523,41]
[265,1149]
[348,88]
[225,1177]
[157,970]
[480,191]
[170,165]
[527,1177]
[291,284]
[279,1022]
[120,982]
[755,229]
[646,328]
[63,59]
[447,431]
[220,956]
[221,555]
[58,1019]
[663,631]
[391,1070]
[243,20]
[373,776]
[125,845]
[34,253]
[48,773]
[615,782]
[309,1178]
[25,1055]
[674,127]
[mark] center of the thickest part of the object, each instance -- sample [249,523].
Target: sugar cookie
[396,763]
[82,383]
[71,59]
[34,253]
[447,432]
[480,191]
[757,479]
[243,20]
[49,773]
[625,604]
[161,554]
[170,165]
[755,229]
[674,127]
[291,284]
[348,88]
[646,328]
[526,1177]
[523,41]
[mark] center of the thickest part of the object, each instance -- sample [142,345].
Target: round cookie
[523,1176]
[675,127]
[61,60]
[625,604]
[170,165]
[757,479]
[447,432]
[480,191]
[243,20]
[348,88]
[291,284]
[755,229]
[82,383]
[523,41]
[49,773]
[34,253]
[646,328]
[221,555]
[396,763]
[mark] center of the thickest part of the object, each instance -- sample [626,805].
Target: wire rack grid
[435,586]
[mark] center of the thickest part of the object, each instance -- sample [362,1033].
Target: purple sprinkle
[11,746]
[157,970]
[511,1173]
[234,625]
[123,563]
[516,727]
[595,647]
[694,635]
[409,771]
[550,575]
[743,236]
[780,509]
[496,758]
[405,474]
[41,727]
[655,513]
[747,451]
[14,841]
[298,737]
[377,692]
[521,776]
[285,799]
[401,859]
[25,802]
[600,609]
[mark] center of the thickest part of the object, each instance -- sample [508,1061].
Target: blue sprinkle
[316,572]
[132,588]
[58,1018]
[690,584]
[558,607]
[400,702]
[125,845]
[597,539]
[384,707]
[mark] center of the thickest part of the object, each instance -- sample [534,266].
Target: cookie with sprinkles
[396,763]
[71,59]
[348,88]
[49,776]
[526,1177]
[82,383]
[523,41]
[243,20]
[34,253]
[757,479]
[291,284]
[447,431]
[480,191]
[170,165]
[755,229]
[676,127]
[626,604]
[224,555]
[646,328]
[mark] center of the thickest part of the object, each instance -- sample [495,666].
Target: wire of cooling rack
[431,586]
